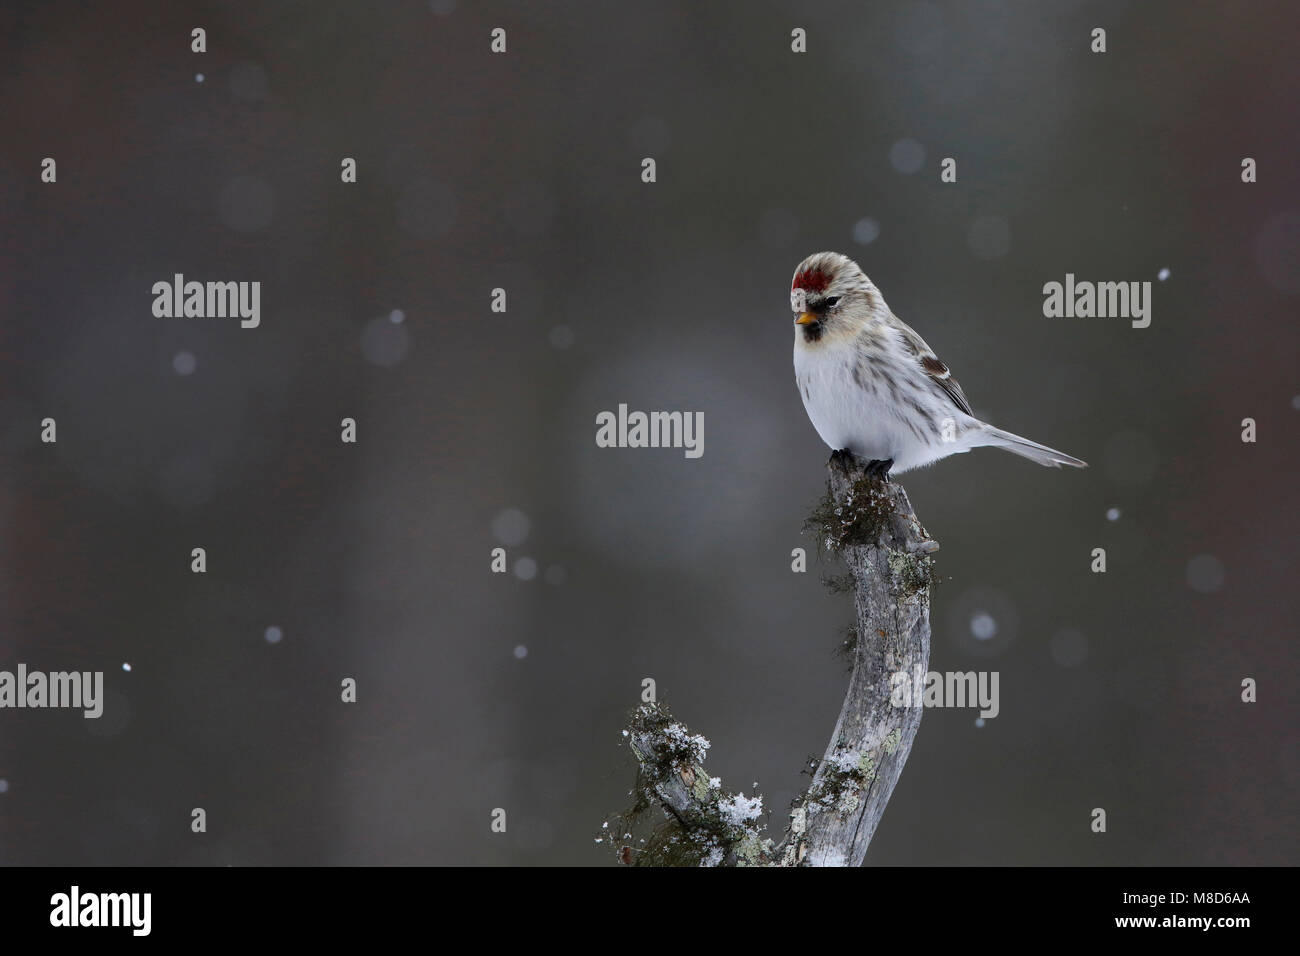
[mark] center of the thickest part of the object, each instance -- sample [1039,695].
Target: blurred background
[476,429]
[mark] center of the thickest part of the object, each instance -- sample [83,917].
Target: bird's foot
[880,469]
[843,459]
[846,461]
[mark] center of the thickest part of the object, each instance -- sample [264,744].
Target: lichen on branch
[703,824]
[869,523]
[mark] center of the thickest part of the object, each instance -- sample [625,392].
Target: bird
[872,387]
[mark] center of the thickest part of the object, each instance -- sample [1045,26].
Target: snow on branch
[870,524]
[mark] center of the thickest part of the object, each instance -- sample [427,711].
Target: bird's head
[833,298]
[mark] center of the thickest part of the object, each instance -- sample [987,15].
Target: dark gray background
[523,171]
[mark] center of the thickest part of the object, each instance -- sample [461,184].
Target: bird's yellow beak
[805,318]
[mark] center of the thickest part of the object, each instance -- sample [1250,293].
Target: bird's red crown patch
[811,280]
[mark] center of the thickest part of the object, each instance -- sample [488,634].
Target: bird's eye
[831,301]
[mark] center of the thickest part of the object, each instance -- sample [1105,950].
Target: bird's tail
[1030,449]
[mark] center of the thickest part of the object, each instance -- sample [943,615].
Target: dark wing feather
[935,370]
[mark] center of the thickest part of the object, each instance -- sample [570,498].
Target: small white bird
[871,385]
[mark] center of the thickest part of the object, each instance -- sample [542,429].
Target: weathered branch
[871,525]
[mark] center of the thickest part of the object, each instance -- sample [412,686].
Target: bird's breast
[837,405]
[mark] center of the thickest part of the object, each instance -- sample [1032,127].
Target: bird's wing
[935,370]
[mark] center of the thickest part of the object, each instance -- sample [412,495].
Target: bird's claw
[880,469]
[846,461]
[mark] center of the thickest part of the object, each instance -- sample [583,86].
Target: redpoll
[871,385]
